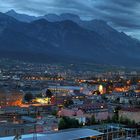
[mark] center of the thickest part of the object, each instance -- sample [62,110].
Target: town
[69,70]
[43,100]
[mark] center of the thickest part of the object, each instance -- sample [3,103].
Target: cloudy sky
[124,15]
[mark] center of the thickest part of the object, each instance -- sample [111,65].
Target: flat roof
[29,136]
[69,134]
[66,87]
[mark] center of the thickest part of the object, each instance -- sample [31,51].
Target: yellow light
[56,129]
[42,100]
[101,89]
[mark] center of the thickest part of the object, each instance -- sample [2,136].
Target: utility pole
[35,133]
[17,137]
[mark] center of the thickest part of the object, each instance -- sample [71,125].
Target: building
[11,97]
[73,113]
[14,129]
[65,90]
[132,114]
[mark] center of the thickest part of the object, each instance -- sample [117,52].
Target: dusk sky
[124,15]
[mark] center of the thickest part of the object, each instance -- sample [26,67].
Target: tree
[126,121]
[39,95]
[49,94]
[68,102]
[133,122]
[121,119]
[108,119]
[67,122]
[92,120]
[28,97]
[116,111]
[104,96]
[115,118]
[54,112]
[74,123]
[62,124]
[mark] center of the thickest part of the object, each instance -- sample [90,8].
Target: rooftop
[66,87]
[69,134]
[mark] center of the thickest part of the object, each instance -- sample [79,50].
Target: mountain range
[65,38]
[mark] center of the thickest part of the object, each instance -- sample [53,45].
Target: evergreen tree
[28,97]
